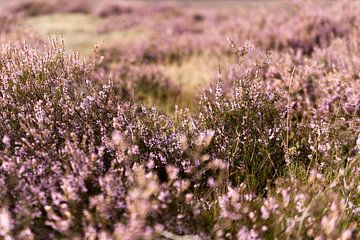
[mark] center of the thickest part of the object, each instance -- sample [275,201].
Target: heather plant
[270,152]
[187,34]
[247,217]
[248,128]
[59,115]
[163,50]
[58,98]
[52,114]
[78,162]
[300,27]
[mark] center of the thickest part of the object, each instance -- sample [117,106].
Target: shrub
[55,91]
[276,155]
[248,130]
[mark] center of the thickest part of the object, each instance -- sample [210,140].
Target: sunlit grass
[79,31]
[194,75]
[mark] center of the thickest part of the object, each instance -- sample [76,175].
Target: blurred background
[165,53]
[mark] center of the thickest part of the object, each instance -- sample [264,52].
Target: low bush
[271,151]
[77,161]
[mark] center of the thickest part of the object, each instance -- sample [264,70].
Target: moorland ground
[179,120]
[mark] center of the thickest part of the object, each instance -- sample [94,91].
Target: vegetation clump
[270,151]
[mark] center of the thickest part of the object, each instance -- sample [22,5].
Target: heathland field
[178,120]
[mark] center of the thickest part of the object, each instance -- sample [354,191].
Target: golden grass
[194,75]
[79,31]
